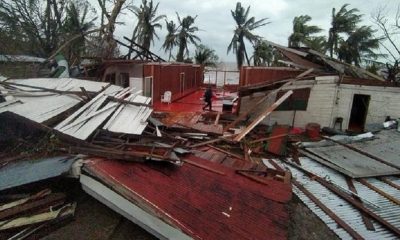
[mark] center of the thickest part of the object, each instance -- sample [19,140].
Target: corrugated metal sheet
[386,209]
[29,171]
[129,118]
[201,203]
[126,118]
[41,106]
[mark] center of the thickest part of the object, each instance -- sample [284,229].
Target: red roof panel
[202,203]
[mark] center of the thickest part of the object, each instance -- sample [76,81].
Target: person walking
[207,98]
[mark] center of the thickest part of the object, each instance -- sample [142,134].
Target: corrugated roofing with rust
[203,204]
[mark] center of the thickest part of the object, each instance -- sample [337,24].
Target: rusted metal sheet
[188,197]
[256,75]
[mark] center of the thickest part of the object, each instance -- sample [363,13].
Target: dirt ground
[95,221]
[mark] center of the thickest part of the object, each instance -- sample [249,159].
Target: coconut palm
[76,23]
[344,21]
[185,35]
[263,54]
[205,56]
[302,32]
[244,28]
[171,39]
[318,44]
[148,22]
[359,46]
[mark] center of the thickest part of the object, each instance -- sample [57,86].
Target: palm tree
[263,54]
[148,22]
[302,32]
[171,39]
[243,31]
[344,21]
[359,46]
[186,35]
[318,44]
[206,56]
[76,23]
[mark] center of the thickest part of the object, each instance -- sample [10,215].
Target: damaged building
[334,95]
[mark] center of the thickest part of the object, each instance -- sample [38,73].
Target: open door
[359,111]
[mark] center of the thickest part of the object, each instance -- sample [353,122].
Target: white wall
[319,108]
[328,101]
[385,101]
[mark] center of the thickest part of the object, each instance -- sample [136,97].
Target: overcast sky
[217,25]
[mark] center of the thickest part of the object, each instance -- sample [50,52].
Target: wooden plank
[206,143]
[268,138]
[19,202]
[68,209]
[217,118]
[262,116]
[390,183]
[254,178]
[56,198]
[367,221]
[244,115]
[226,152]
[203,167]
[372,187]
[328,211]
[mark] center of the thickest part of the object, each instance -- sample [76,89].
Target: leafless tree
[390,29]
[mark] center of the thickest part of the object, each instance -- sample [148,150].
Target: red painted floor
[203,204]
[194,103]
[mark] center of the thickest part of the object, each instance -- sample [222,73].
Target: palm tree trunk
[181,50]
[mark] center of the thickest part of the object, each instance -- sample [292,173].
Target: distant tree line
[46,27]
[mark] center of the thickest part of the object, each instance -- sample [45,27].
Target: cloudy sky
[217,25]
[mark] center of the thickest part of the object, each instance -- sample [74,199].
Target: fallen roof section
[123,117]
[41,99]
[202,204]
[28,171]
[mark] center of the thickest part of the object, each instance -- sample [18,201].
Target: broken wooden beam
[367,221]
[263,115]
[268,138]
[196,164]
[50,200]
[226,152]
[66,210]
[244,115]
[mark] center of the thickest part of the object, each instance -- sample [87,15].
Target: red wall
[166,77]
[257,75]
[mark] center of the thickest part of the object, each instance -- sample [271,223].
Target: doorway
[359,111]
